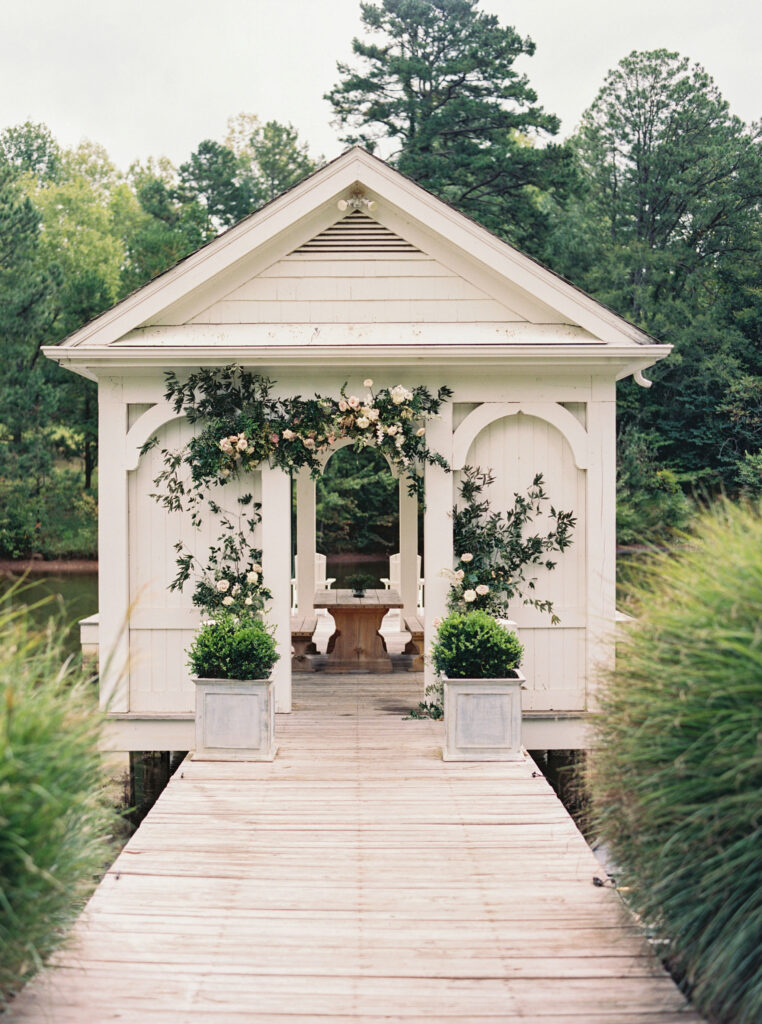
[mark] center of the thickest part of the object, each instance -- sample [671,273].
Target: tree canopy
[441,88]
[667,232]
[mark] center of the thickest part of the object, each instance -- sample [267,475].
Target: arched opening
[357,515]
[358,519]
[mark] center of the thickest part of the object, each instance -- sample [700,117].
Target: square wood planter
[482,719]
[235,720]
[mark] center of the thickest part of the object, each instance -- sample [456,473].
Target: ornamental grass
[676,774]
[55,816]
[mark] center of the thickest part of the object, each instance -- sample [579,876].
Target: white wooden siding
[516,448]
[340,277]
[386,289]
[162,622]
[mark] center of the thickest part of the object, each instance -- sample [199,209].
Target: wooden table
[357,645]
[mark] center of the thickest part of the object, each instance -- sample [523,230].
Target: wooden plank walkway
[356,878]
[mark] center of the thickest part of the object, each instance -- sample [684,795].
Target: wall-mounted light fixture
[357,201]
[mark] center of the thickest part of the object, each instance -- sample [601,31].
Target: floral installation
[492,551]
[241,425]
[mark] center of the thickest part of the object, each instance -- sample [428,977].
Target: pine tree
[441,86]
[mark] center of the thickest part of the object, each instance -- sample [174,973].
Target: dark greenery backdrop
[653,206]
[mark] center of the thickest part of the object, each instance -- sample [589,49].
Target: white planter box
[482,719]
[235,720]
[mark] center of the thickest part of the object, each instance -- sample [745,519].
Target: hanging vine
[495,552]
[241,427]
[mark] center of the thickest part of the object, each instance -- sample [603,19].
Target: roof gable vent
[357,234]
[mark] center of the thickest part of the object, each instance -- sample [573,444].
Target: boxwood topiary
[473,645]
[228,649]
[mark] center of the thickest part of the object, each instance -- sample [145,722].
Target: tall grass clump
[55,818]
[676,773]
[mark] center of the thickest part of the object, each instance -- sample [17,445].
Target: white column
[276,571]
[408,519]
[601,534]
[113,549]
[437,529]
[305,541]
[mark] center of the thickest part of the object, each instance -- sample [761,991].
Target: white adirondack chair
[392,581]
[322,580]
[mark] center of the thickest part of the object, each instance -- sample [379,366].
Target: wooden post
[437,529]
[305,541]
[601,534]
[113,549]
[408,519]
[276,571]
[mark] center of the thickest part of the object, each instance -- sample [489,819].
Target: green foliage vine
[241,426]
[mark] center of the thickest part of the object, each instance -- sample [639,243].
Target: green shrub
[650,505]
[227,649]
[55,817]
[676,775]
[749,471]
[55,519]
[473,645]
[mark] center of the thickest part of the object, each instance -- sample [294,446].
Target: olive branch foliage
[502,552]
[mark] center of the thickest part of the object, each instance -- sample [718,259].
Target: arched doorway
[363,518]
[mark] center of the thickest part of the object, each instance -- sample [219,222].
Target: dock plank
[358,877]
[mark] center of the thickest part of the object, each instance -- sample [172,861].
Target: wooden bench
[302,628]
[414,646]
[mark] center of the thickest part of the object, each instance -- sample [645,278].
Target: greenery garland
[242,427]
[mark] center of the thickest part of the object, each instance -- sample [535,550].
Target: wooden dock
[356,878]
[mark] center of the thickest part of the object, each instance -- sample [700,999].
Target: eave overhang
[592,357]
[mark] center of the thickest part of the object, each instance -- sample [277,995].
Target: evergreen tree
[441,87]
[25,314]
[668,234]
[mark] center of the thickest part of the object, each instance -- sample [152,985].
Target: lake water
[67,597]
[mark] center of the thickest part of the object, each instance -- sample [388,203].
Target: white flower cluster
[234,444]
[400,394]
[237,591]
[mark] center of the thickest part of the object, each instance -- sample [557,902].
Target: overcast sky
[153,77]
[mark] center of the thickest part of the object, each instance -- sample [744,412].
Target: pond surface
[342,566]
[67,597]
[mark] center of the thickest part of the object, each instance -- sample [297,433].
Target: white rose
[257,567]
[469,596]
[392,430]
[353,402]
[242,444]
[289,435]
[309,442]
[227,600]
[236,589]
[459,574]
[343,406]
[372,414]
[249,601]
[420,432]
[252,577]
[223,586]
[363,422]
[225,444]
[482,589]
[367,383]
[467,557]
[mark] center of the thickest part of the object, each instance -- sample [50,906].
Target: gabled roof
[164,314]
